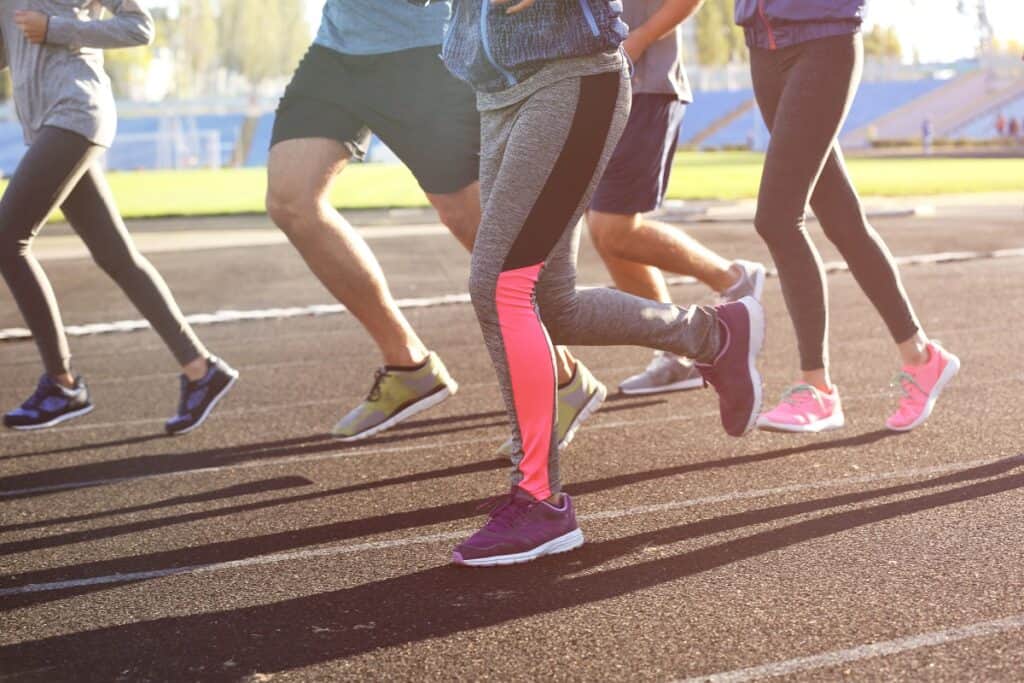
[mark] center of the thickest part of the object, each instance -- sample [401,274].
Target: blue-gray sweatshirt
[494,51]
[774,24]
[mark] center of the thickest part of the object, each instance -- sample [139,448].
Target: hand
[635,46]
[518,7]
[33,25]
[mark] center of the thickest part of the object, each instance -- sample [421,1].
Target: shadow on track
[238,549]
[346,623]
[98,473]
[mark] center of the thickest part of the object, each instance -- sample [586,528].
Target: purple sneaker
[521,529]
[734,373]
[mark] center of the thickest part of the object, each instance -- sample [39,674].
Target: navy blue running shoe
[198,398]
[50,405]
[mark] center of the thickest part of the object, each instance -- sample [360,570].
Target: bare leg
[300,173]
[644,241]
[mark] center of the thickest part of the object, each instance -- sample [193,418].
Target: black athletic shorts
[426,116]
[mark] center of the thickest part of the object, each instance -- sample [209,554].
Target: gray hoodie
[62,83]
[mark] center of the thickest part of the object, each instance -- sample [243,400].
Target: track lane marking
[229,316]
[605,515]
[862,652]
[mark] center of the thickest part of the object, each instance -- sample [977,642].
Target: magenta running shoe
[734,373]
[521,529]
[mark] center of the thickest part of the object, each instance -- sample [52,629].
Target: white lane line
[315,457]
[229,316]
[604,515]
[869,651]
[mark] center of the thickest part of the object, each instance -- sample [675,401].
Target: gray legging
[61,168]
[804,93]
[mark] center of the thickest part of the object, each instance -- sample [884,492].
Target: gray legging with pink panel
[804,92]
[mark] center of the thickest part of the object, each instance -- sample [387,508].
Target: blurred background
[942,77]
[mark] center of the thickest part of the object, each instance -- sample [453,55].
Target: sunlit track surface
[257,548]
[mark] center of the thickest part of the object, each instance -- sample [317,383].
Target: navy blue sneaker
[50,405]
[198,398]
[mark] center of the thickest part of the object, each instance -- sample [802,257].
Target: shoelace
[902,381]
[378,377]
[788,396]
[504,510]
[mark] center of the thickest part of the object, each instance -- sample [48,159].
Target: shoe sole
[209,409]
[556,546]
[55,421]
[593,404]
[685,385]
[819,426]
[948,373]
[404,414]
[756,344]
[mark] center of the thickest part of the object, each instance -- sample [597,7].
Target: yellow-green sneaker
[397,395]
[577,400]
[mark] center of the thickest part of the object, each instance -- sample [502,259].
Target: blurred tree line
[257,40]
[719,40]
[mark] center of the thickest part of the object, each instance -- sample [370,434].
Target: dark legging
[62,169]
[804,93]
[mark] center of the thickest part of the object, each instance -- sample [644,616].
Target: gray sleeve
[130,26]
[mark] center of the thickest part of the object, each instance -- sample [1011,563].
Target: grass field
[715,175]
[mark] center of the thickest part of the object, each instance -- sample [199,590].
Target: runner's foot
[397,394]
[50,405]
[198,398]
[805,409]
[521,529]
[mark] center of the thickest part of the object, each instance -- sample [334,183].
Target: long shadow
[445,601]
[99,473]
[238,549]
[246,489]
[115,443]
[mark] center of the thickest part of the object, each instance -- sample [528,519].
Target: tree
[719,40]
[261,39]
[882,43]
[194,40]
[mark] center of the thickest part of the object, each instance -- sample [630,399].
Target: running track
[258,549]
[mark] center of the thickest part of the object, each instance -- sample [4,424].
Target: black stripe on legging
[573,170]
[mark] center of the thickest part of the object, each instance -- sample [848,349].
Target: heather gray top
[62,83]
[660,69]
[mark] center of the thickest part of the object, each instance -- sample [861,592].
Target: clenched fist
[33,25]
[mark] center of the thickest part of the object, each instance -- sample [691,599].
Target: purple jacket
[774,24]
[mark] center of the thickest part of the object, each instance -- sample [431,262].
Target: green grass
[716,175]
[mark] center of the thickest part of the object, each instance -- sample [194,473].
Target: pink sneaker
[921,386]
[804,408]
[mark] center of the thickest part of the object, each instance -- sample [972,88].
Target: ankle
[65,379]
[196,369]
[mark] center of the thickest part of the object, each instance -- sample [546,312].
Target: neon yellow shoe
[397,395]
[577,400]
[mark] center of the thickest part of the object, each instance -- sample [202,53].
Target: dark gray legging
[62,169]
[804,93]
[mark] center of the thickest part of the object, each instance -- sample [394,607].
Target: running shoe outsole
[556,546]
[426,403]
[55,421]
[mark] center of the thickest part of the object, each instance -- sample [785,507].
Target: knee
[558,307]
[609,234]
[461,220]
[483,288]
[292,211]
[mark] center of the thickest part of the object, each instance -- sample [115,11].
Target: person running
[66,109]
[635,248]
[374,66]
[806,61]
[553,90]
